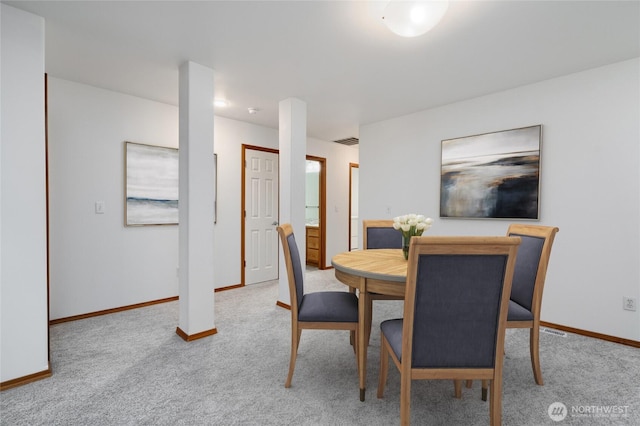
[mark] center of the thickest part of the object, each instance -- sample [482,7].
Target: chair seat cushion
[392,330]
[329,306]
[518,313]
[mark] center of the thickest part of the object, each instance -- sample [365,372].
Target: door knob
[275,223]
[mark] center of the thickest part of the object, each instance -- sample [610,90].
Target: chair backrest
[456,300]
[379,234]
[294,267]
[531,264]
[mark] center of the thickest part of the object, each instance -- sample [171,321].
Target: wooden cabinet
[313,246]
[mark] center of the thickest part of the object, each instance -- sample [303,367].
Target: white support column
[293,154]
[196,288]
[24,324]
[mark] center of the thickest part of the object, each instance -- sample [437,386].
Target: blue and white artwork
[494,175]
[152,185]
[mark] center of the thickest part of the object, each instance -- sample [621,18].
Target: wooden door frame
[243,206]
[322,209]
[351,167]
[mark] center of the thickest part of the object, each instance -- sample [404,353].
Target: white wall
[96,262]
[23,265]
[590,183]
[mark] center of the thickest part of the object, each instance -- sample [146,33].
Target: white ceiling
[337,56]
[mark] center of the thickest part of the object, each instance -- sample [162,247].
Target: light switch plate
[99,207]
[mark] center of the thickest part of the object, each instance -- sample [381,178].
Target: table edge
[368,275]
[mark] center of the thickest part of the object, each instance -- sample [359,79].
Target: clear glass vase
[406,240]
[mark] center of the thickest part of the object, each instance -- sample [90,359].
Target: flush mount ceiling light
[413,18]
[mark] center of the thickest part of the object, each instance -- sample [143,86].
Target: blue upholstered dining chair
[327,310]
[528,283]
[455,312]
[379,234]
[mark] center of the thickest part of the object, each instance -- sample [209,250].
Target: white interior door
[261,216]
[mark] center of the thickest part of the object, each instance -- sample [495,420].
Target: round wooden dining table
[379,271]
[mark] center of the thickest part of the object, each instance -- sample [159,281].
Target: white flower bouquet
[411,225]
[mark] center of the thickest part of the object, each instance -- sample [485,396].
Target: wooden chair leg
[355,350]
[352,340]
[534,348]
[405,399]
[295,341]
[384,365]
[469,384]
[495,404]
[485,386]
[457,386]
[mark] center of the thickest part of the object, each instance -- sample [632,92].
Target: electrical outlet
[629,304]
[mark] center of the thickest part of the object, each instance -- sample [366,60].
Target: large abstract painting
[493,175]
[151,185]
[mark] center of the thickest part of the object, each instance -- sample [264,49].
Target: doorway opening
[260,215]
[315,211]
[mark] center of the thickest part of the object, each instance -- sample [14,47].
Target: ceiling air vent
[348,141]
